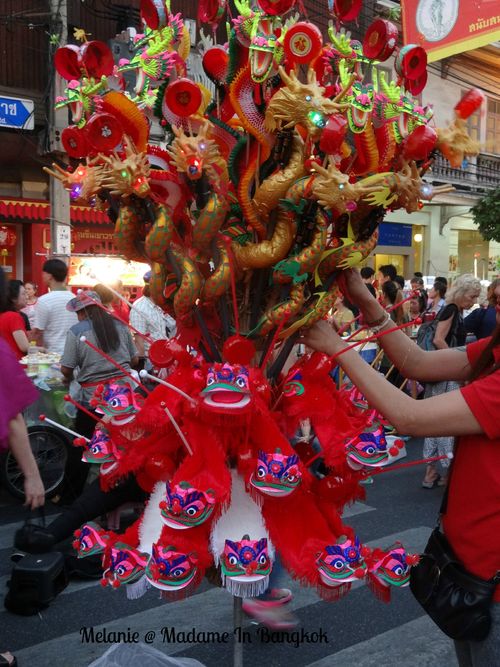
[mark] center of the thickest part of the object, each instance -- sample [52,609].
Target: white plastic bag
[131,655]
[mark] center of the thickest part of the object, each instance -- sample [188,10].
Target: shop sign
[395,234]
[442,30]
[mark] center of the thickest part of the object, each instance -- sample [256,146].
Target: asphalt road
[356,631]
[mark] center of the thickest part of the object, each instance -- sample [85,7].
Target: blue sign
[16,112]
[395,234]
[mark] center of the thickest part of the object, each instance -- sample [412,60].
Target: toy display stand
[237,623]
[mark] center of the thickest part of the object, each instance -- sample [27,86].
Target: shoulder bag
[457,601]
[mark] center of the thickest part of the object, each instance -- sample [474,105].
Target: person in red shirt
[471,522]
[12,324]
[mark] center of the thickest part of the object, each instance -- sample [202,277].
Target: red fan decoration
[211,11]
[183,97]
[97,59]
[380,40]
[469,103]
[347,10]
[303,43]
[104,132]
[163,353]
[154,13]
[275,7]
[416,86]
[130,117]
[411,62]
[419,143]
[75,141]
[67,62]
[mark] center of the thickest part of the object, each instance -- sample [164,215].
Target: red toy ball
[211,11]
[416,86]
[238,350]
[183,97]
[333,134]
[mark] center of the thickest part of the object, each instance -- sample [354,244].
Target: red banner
[447,27]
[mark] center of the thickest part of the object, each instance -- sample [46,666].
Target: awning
[39,210]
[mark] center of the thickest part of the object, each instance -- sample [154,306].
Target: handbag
[457,601]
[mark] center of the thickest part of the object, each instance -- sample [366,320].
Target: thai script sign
[446,27]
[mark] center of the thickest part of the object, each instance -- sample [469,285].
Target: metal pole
[237,622]
[60,226]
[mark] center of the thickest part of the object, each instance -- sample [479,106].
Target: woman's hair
[10,293]
[486,360]
[440,288]
[492,300]
[33,285]
[422,301]
[390,290]
[104,327]
[462,285]
[105,294]
[394,295]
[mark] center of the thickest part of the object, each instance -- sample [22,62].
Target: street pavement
[357,631]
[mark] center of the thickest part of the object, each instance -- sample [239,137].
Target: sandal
[272,613]
[7,659]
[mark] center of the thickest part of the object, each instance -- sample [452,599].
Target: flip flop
[8,662]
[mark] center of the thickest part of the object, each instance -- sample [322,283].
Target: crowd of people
[460,401]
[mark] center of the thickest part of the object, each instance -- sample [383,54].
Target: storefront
[400,244]
[25,245]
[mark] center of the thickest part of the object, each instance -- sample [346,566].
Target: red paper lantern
[275,7]
[183,97]
[333,134]
[97,59]
[154,13]
[7,237]
[347,10]
[67,62]
[303,43]
[380,40]
[419,143]
[469,103]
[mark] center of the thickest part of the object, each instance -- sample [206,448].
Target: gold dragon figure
[83,183]
[125,176]
[302,104]
[455,144]
[334,191]
[409,188]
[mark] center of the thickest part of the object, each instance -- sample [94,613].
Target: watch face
[436,18]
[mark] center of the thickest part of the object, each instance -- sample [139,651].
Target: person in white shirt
[151,320]
[52,320]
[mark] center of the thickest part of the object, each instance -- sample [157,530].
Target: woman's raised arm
[443,415]
[411,361]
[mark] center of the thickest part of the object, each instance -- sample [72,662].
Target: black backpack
[425,334]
